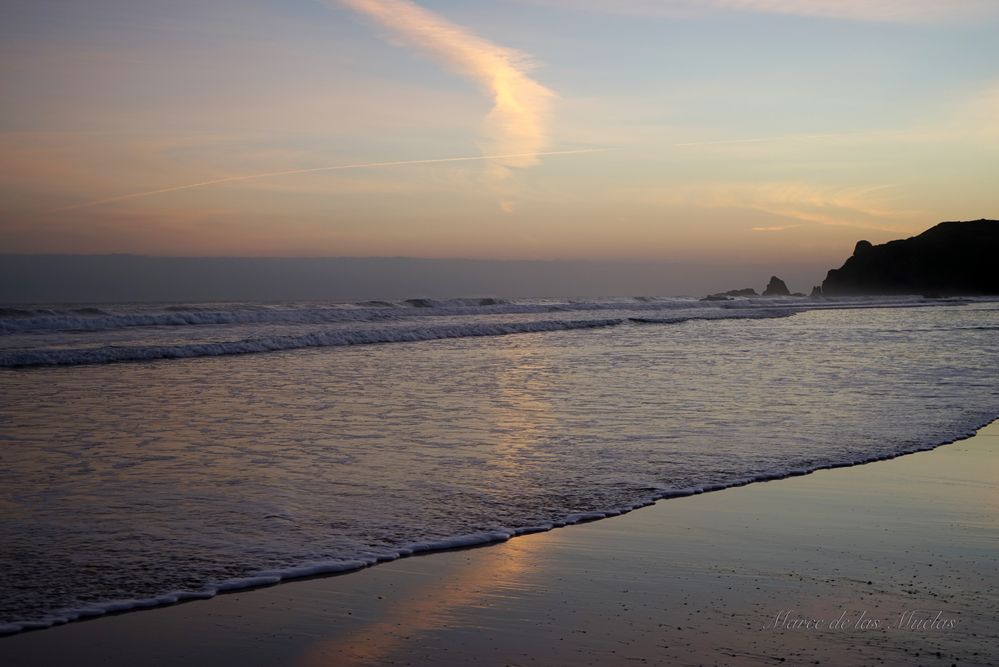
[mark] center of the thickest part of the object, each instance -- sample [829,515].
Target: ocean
[152,453]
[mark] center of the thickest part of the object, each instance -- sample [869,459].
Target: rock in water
[727,296]
[776,287]
[745,291]
[952,258]
[816,292]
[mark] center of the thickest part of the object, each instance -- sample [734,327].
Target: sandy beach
[886,563]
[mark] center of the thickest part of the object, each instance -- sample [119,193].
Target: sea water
[151,453]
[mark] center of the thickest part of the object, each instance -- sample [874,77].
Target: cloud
[777,228]
[898,11]
[971,117]
[861,208]
[864,10]
[518,123]
[981,113]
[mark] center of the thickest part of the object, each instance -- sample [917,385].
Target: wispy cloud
[858,207]
[518,123]
[866,10]
[775,228]
[899,11]
[982,113]
[725,142]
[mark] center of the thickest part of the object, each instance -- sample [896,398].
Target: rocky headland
[950,259]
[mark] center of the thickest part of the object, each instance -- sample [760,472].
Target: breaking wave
[109,354]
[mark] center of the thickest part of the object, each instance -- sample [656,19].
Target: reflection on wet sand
[437,605]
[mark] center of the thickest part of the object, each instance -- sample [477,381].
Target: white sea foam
[742,314]
[97,319]
[336,338]
[105,317]
[44,336]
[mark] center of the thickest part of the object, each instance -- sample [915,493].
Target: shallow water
[139,481]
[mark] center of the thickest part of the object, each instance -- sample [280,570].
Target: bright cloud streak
[518,125]
[290,172]
[861,10]
[899,11]
[725,142]
[776,228]
[860,208]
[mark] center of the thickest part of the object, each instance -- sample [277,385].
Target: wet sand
[890,563]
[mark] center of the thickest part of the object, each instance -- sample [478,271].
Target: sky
[703,131]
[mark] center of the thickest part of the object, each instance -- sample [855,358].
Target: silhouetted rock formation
[727,296]
[745,291]
[816,292]
[952,258]
[776,287]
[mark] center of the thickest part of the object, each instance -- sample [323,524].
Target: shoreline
[308,598]
[319,570]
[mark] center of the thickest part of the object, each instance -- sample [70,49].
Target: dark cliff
[952,258]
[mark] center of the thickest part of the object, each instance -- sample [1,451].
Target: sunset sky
[706,130]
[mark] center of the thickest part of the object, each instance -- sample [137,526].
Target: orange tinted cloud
[775,228]
[858,207]
[518,123]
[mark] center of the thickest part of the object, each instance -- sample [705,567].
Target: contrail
[289,172]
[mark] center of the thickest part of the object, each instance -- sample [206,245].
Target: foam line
[110,354]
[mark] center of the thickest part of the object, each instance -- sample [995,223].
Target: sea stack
[776,287]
